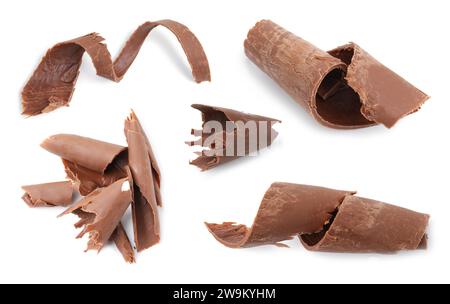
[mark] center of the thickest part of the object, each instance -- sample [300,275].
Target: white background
[407,165]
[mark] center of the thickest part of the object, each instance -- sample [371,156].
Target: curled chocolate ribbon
[327,220]
[53,81]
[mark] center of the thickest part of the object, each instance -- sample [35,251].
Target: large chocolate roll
[345,88]
[327,220]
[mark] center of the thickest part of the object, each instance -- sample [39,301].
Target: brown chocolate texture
[145,183]
[53,82]
[327,220]
[219,144]
[48,195]
[90,163]
[345,88]
[111,177]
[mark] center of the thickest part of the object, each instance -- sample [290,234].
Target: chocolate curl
[100,213]
[221,142]
[363,225]
[285,211]
[345,88]
[327,220]
[90,163]
[145,183]
[133,124]
[90,153]
[53,82]
[48,195]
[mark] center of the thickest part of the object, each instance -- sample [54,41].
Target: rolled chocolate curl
[100,212]
[48,195]
[345,88]
[53,82]
[327,220]
[90,153]
[145,183]
[90,163]
[220,143]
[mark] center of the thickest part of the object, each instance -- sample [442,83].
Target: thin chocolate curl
[53,82]
[327,220]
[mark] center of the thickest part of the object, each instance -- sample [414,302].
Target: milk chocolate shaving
[53,82]
[48,195]
[327,220]
[345,88]
[220,143]
[123,244]
[90,163]
[100,212]
[145,182]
